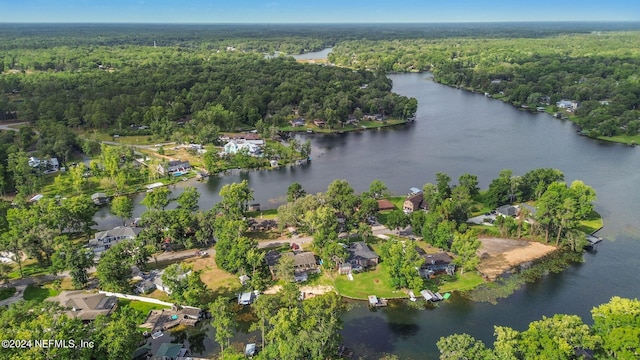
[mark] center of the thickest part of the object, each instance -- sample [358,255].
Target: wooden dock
[375,302]
[161,320]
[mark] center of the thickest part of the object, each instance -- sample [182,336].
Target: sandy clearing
[501,255]
[309,291]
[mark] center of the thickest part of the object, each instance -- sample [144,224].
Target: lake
[459,132]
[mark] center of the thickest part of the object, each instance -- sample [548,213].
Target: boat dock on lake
[375,302]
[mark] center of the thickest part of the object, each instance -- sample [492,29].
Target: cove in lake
[459,132]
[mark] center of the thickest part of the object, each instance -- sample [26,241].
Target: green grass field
[6,293]
[375,282]
[142,307]
[38,293]
[624,139]
[464,282]
[592,223]
[32,269]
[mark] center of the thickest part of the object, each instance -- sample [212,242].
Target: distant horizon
[219,12]
[326,23]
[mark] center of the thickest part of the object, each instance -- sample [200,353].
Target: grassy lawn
[375,282]
[397,201]
[142,307]
[28,269]
[269,214]
[38,293]
[464,282]
[625,139]
[592,223]
[6,293]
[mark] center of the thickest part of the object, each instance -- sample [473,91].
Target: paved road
[12,126]
[16,296]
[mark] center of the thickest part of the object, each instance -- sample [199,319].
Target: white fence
[137,298]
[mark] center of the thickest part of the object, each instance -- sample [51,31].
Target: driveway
[12,126]
[16,296]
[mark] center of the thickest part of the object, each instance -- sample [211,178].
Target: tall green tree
[235,199]
[222,321]
[114,269]
[116,336]
[295,191]
[189,198]
[122,207]
[378,189]
[466,246]
[158,199]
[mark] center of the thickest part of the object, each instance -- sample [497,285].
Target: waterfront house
[85,306]
[297,122]
[436,263]
[568,105]
[413,202]
[103,240]
[319,123]
[360,255]
[384,204]
[303,263]
[174,167]
[236,146]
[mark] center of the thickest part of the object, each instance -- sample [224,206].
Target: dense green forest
[184,94]
[597,70]
[152,80]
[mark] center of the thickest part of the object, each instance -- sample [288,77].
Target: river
[460,132]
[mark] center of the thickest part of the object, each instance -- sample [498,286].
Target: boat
[412,296]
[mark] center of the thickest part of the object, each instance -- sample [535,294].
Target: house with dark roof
[103,240]
[507,210]
[361,255]
[531,210]
[384,204]
[297,122]
[436,263]
[85,306]
[171,351]
[303,263]
[174,167]
[413,202]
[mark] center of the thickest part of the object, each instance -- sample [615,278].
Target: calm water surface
[459,132]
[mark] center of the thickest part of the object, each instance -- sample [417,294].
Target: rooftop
[85,306]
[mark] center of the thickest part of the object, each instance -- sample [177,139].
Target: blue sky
[314,11]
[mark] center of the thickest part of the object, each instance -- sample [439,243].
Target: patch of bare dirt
[498,256]
[309,291]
